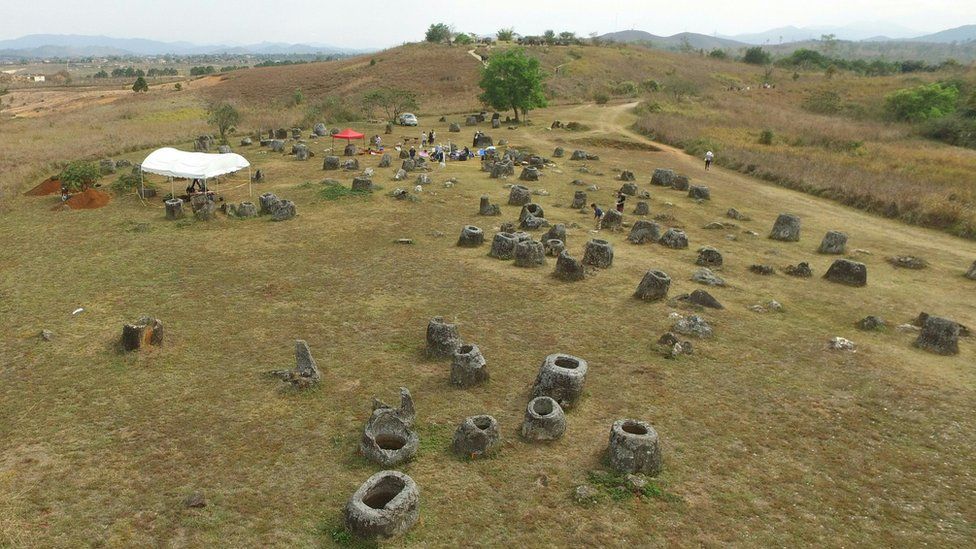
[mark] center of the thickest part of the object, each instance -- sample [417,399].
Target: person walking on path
[597,214]
[709,156]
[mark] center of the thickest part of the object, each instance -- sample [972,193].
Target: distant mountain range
[71,45]
[784,35]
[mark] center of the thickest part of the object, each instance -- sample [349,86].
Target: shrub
[463,39]
[297,97]
[140,85]
[626,88]
[78,175]
[679,88]
[766,137]
[178,87]
[601,98]
[921,102]
[648,107]
[651,85]
[756,56]
[127,183]
[332,108]
[823,102]
[718,54]
[958,130]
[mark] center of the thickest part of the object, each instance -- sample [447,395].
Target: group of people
[196,186]
[622,198]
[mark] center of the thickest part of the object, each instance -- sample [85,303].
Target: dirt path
[747,192]
[478,57]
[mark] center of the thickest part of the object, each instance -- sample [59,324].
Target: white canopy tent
[174,163]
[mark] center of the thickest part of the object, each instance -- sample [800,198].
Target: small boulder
[476,437]
[707,277]
[845,271]
[644,231]
[653,286]
[870,323]
[568,269]
[709,257]
[675,239]
[786,228]
[699,192]
[939,336]
[471,237]
[598,253]
[663,177]
[834,242]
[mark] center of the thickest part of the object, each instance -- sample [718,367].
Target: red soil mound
[51,185]
[88,200]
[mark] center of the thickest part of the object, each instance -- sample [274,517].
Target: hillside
[965,33]
[769,437]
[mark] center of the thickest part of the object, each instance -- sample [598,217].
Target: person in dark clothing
[430,137]
[621,199]
[413,153]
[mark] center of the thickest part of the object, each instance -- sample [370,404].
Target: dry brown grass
[880,167]
[769,439]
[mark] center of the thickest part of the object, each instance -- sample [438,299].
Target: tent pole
[249,194]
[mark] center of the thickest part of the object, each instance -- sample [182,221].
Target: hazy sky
[380,23]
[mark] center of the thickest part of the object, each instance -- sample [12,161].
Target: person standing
[709,156]
[597,214]
[621,199]
[413,153]
[423,139]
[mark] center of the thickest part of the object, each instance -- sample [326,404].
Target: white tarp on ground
[192,165]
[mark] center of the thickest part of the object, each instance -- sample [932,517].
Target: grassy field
[769,439]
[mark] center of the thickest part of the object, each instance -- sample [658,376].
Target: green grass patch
[336,191]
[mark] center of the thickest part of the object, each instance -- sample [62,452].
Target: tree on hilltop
[512,80]
[439,33]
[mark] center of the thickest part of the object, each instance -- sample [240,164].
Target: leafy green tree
[550,37]
[921,102]
[140,85]
[505,35]
[718,54]
[756,56]
[392,101]
[463,39]
[512,80]
[101,74]
[78,175]
[567,37]
[224,117]
[438,33]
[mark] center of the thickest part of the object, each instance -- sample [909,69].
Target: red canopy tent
[349,134]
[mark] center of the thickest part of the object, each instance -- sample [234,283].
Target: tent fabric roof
[192,165]
[349,133]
